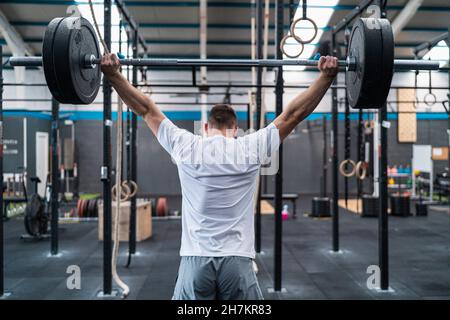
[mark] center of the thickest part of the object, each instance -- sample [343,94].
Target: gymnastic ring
[126,191]
[361,170]
[132,186]
[124,194]
[299,40]
[368,124]
[123,197]
[282,44]
[350,173]
[428,101]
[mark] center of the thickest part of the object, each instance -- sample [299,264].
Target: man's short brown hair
[222,116]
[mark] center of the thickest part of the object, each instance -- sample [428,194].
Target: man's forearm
[305,103]
[132,97]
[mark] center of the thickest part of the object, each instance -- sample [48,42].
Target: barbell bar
[349,64]
[71,54]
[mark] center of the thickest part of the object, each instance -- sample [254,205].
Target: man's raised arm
[302,105]
[132,97]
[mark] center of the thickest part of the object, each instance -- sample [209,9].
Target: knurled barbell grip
[89,61]
[218,62]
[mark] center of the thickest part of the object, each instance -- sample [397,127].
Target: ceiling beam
[402,19]
[422,49]
[13,38]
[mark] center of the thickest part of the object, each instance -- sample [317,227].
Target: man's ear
[206,127]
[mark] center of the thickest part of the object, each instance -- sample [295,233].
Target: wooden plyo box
[143,220]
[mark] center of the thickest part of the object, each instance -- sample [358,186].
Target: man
[218,175]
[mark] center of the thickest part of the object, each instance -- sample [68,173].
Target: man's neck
[220,132]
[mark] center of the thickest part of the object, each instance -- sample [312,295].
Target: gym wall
[15,143]
[157,175]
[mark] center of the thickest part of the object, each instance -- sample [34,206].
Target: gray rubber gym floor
[419,259]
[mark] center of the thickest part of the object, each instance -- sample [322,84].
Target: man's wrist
[326,77]
[114,77]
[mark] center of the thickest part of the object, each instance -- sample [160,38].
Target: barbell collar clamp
[351,63]
[89,61]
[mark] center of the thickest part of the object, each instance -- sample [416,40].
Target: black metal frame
[133,150]
[107,163]
[54,203]
[351,15]
[324,179]
[334,155]
[258,100]
[448,113]
[430,44]
[2,275]
[279,33]
[383,220]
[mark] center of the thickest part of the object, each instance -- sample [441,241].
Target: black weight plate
[366,85]
[31,226]
[86,81]
[83,208]
[34,214]
[91,206]
[47,58]
[61,60]
[86,209]
[95,213]
[74,39]
[353,79]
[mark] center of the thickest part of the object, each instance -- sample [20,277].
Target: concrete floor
[419,259]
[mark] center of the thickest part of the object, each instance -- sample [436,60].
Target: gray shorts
[216,278]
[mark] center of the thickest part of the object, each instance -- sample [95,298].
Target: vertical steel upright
[448,111]
[2,285]
[383,222]
[107,163]
[258,100]
[383,227]
[132,240]
[324,187]
[55,178]
[279,175]
[334,142]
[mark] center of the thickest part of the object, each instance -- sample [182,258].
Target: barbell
[71,53]
[350,65]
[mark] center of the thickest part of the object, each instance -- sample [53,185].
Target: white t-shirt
[218,178]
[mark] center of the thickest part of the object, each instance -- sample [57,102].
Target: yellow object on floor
[353,205]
